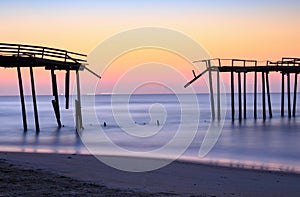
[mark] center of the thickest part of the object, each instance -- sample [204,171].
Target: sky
[263,30]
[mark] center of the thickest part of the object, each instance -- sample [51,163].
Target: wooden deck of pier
[28,56]
[286,66]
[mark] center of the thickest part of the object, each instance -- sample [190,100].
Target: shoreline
[222,163]
[178,178]
[244,165]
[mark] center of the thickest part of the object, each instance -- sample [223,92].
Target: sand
[36,174]
[17,181]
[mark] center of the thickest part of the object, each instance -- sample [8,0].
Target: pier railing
[286,61]
[41,52]
[219,62]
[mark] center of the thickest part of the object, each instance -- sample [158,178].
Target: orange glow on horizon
[153,64]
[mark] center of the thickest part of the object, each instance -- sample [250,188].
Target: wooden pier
[28,56]
[286,66]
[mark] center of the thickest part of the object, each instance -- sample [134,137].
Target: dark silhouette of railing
[43,56]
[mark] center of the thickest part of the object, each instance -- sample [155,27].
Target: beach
[18,181]
[84,175]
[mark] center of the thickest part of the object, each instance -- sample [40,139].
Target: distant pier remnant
[29,56]
[286,67]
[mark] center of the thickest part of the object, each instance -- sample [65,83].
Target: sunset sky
[227,29]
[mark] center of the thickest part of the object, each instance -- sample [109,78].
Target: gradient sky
[227,29]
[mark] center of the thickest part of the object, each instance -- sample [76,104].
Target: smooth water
[271,144]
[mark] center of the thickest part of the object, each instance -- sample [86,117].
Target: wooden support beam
[245,95]
[269,95]
[194,73]
[218,95]
[67,88]
[212,101]
[79,124]
[77,121]
[289,95]
[22,98]
[193,80]
[295,94]
[240,96]
[282,94]
[255,95]
[56,112]
[55,102]
[232,95]
[36,117]
[263,95]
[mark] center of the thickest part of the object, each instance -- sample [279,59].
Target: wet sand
[38,174]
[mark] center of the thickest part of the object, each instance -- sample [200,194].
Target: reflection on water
[269,145]
[54,141]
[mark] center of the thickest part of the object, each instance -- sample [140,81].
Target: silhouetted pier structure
[286,67]
[27,56]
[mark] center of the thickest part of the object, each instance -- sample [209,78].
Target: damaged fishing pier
[286,66]
[28,56]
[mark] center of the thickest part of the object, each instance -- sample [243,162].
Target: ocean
[272,144]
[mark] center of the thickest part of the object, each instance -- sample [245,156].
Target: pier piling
[212,101]
[36,117]
[289,95]
[240,96]
[232,96]
[282,94]
[245,95]
[255,95]
[263,95]
[218,95]
[295,94]
[78,105]
[269,96]
[67,88]
[55,102]
[22,99]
